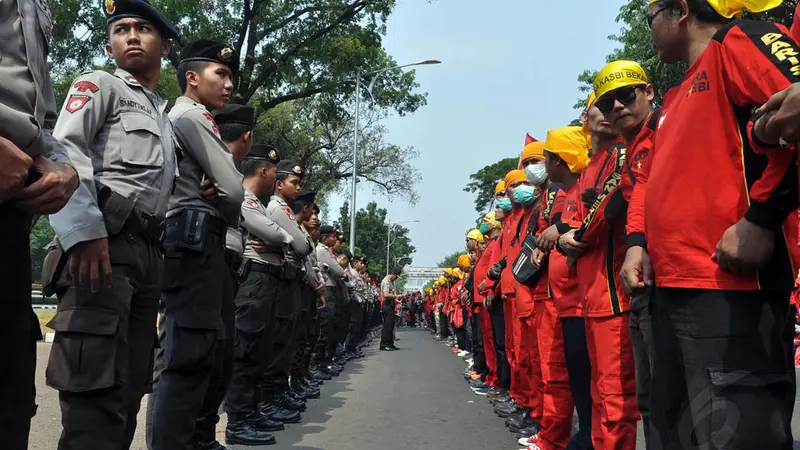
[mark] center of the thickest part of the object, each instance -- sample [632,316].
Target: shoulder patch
[76,102]
[288,212]
[252,203]
[83,86]
[214,126]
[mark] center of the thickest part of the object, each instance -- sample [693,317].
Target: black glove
[496,270]
[589,196]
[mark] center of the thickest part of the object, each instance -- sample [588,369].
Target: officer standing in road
[27,151]
[235,124]
[326,344]
[194,246]
[120,140]
[388,297]
[275,382]
[357,306]
[314,378]
[255,306]
[311,289]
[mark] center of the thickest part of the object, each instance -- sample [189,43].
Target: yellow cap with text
[619,74]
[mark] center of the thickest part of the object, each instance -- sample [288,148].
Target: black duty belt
[148,227]
[234,260]
[215,224]
[266,268]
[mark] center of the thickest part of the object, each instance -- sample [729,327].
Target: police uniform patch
[213,124]
[76,102]
[252,203]
[83,86]
[130,79]
[289,212]
[110,6]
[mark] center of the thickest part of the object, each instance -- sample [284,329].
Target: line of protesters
[641,266]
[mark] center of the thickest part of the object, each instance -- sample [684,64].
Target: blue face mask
[504,204]
[524,195]
[484,228]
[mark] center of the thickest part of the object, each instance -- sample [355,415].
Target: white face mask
[536,174]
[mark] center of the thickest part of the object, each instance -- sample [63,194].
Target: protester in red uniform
[490,228]
[720,263]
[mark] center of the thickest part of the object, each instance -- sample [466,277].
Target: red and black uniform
[508,293]
[706,172]
[497,316]
[479,276]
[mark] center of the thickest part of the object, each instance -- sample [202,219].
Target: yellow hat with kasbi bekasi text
[619,74]
[734,8]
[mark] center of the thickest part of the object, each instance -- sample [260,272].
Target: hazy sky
[508,68]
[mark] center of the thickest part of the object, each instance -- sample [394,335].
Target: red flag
[528,139]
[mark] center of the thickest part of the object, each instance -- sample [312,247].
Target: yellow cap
[619,74]
[464,262]
[474,234]
[443,280]
[491,219]
[534,150]
[571,145]
[458,273]
[515,176]
[500,187]
[448,271]
[734,8]
[591,99]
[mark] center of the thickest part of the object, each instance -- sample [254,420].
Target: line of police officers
[175,215]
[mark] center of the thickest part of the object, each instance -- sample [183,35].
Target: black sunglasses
[652,17]
[626,96]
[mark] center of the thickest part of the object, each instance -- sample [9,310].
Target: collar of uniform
[185,99]
[126,76]
[279,200]
[322,245]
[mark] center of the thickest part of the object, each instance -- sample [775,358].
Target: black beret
[265,152]
[142,9]
[327,229]
[305,197]
[289,168]
[238,114]
[360,258]
[212,51]
[396,271]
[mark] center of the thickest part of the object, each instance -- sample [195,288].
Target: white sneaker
[462,353]
[529,440]
[532,447]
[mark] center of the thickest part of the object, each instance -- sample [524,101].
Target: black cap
[316,209]
[211,51]
[238,114]
[142,9]
[265,152]
[305,197]
[327,229]
[360,258]
[289,168]
[396,271]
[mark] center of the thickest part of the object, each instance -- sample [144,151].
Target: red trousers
[614,410]
[488,347]
[557,401]
[529,366]
[511,349]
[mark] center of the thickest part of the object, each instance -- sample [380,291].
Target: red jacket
[703,176]
[509,250]
[563,279]
[481,270]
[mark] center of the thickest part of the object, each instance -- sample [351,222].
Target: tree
[450,260]
[371,234]
[41,235]
[484,181]
[636,45]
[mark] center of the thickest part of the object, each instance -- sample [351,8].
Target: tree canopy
[450,260]
[483,182]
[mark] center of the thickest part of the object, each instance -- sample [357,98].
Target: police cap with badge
[235,114]
[289,168]
[264,152]
[211,51]
[305,197]
[140,9]
[327,230]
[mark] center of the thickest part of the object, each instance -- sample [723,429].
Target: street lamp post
[375,74]
[389,241]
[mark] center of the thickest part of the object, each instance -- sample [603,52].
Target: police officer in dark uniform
[194,246]
[275,381]
[311,289]
[330,316]
[235,124]
[123,151]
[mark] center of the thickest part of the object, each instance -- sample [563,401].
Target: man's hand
[744,248]
[785,122]
[547,240]
[573,248]
[481,286]
[637,270]
[258,245]
[49,193]
[208,191]
[589,196]
[320,290]
[536,257]
[321,302]
[14,165]
[489,300]
[87,259]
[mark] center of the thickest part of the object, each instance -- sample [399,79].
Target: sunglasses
[625,96]
[651,18]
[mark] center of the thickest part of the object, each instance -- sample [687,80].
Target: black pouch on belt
[54,278]
[188,230]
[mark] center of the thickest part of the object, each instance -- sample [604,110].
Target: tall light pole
[389,240]
[375,74]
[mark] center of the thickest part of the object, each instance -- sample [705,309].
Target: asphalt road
[409,399]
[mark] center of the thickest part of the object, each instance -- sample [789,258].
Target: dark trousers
[461,337]
[311,343]
[191,339]
[356,322]
[499,330]
[19,331]
[342,317]
[254,318]
[287,310]
[444,323]
[303,333]
[641,329]
[478,357]
[432,321]
[326,344]
[387,311]
[208,417]
[579,369]
[723,376]
[101,358]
